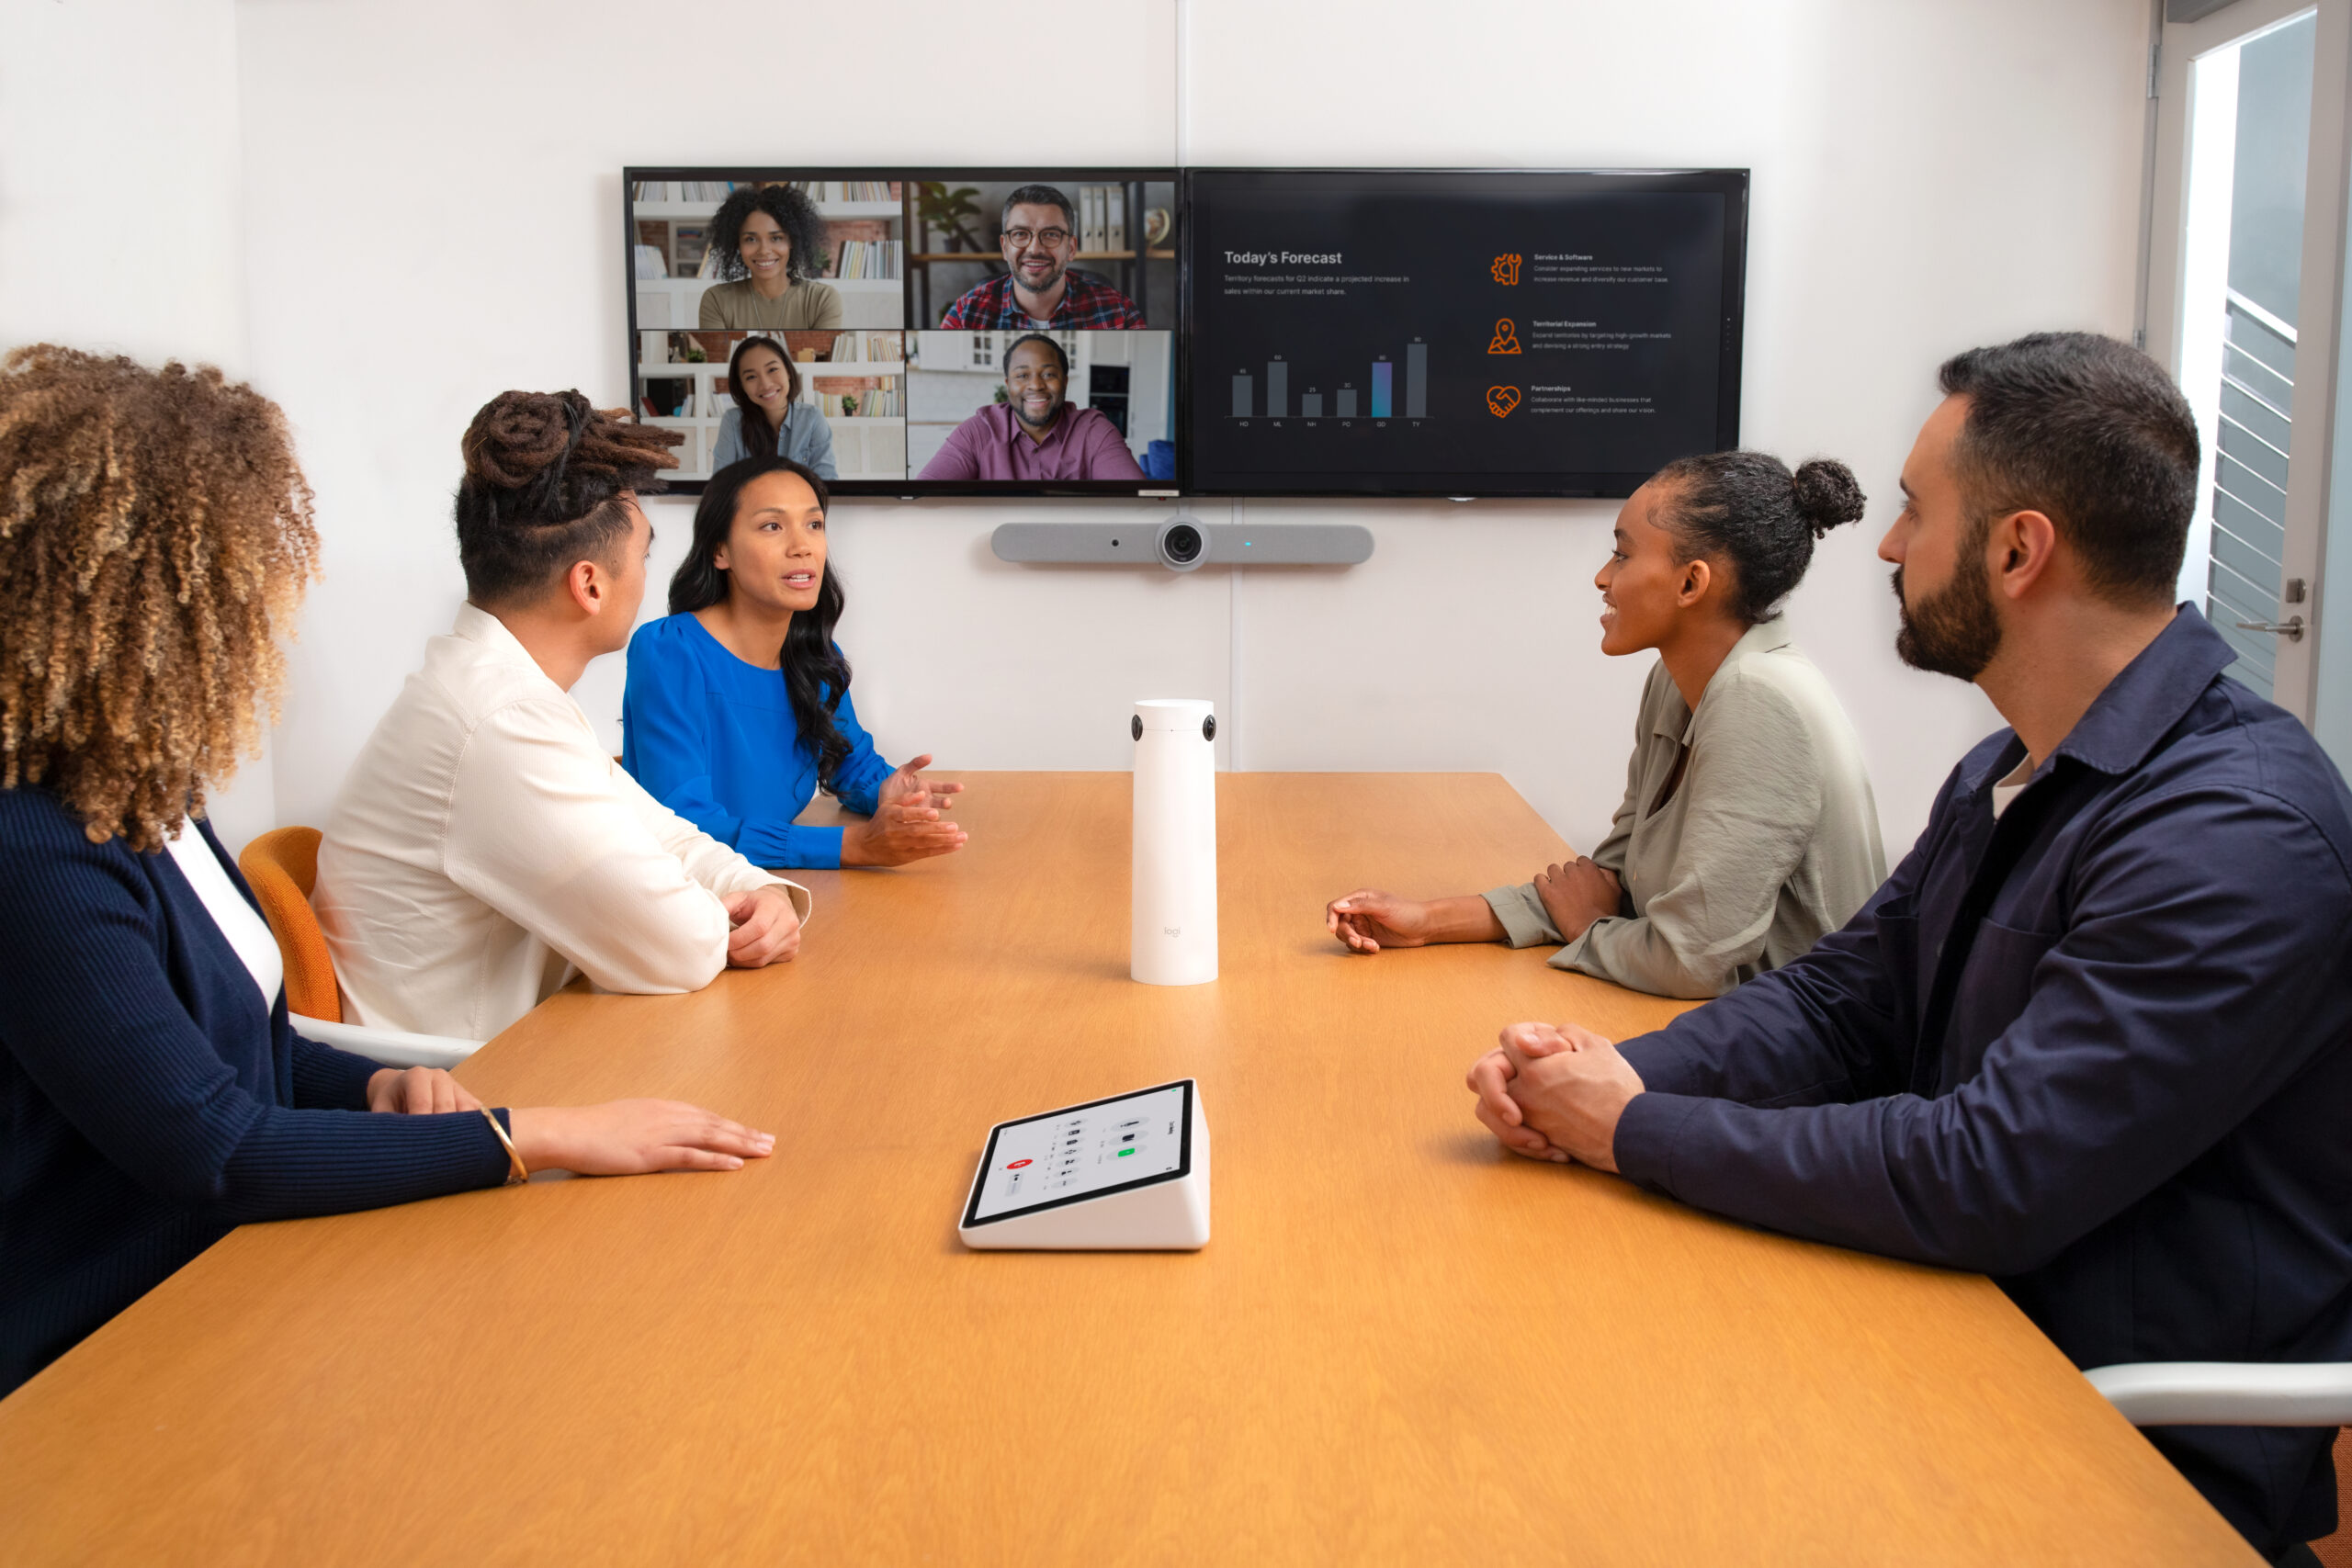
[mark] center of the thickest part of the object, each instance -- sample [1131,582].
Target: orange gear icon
[1501,400]
[1506,267]
[1506,338]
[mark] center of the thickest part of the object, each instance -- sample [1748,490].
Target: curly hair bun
[1827,495]
[518,437]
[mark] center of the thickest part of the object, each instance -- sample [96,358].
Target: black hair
[816,674]
[794,213]
[2092,434]
[1005,368]
[1038,196]
[544,476]
[1747,510]
[754,417]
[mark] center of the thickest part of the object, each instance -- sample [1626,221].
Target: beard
[1044,284]
[1953,632]
[1052,414]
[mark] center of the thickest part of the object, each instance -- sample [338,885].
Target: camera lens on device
[1183,543]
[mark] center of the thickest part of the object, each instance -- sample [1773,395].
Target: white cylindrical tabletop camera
[1173,940]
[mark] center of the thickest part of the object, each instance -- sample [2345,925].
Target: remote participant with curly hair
[770,245]
[1748,830]
[485,846]
[155,540]
[738,707]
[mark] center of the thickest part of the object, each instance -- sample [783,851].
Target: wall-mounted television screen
[916,331]
[1218,332]
[1458,333]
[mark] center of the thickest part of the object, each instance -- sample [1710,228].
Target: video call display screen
[1412,332]
[910,331]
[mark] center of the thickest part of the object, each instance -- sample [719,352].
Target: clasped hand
[1555,1093]
[1576,893]
[907,823]
[767,928]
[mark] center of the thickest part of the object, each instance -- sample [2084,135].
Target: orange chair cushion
[281,867]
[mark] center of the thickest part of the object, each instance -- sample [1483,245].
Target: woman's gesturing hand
[631,1137]
[908,780]
[908,821]
[417,1091]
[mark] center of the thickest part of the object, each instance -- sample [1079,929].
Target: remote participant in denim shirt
[737,709]
[2093,1036]
[768,415]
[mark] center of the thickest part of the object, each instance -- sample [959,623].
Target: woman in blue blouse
[154,537]
[737,711]
[768,415]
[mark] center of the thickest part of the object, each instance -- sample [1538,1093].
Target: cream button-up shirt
[485,848]
[1769,843]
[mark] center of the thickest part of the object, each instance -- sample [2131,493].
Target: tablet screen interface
[1077,1152]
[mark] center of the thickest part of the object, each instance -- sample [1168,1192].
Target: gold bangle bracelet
[518,1172]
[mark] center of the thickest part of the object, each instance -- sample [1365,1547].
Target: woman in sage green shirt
[1748,831]
[771,244]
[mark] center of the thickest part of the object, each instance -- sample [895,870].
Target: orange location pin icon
[1506,338]
[1501,400]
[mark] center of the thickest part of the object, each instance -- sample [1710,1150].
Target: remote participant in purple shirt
[1035,436]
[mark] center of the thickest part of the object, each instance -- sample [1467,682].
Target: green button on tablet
[1124,1153]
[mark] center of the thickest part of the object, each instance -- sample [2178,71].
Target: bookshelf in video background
[857,379]
[857,369]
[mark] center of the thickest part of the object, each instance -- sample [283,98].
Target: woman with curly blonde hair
[155,540]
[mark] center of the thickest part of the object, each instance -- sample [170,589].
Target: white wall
[431,214]
[120,221]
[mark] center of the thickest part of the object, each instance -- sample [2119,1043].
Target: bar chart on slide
[1366,390]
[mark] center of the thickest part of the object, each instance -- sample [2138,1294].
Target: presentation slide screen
[910,330]
[1439,332]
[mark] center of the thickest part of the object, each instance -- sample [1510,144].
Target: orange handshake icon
[1506,267]
[1501,400]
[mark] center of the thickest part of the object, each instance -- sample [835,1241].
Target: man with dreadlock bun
[155,538]
[485,846]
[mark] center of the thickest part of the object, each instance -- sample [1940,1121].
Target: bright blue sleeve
[666,744]
[858,780]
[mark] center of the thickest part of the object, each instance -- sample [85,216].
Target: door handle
[2292,628]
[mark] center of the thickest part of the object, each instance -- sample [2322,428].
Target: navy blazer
[148,1102]
[2133,1114]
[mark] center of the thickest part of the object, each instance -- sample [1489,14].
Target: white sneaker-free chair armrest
[2229,1393]
[390,1046]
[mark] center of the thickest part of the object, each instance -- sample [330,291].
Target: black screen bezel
[910,487]
[988,1157]
[1731,184]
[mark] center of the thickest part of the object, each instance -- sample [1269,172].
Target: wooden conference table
[1402,1345]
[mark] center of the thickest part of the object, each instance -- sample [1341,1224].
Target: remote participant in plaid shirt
[1039,289]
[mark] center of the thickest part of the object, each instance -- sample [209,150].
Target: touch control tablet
[1083,1152]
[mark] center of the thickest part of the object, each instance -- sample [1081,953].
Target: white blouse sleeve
[540,831]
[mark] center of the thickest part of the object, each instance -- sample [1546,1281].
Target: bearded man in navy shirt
[2094,1035]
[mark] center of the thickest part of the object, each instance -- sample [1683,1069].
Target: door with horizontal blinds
[2246,247]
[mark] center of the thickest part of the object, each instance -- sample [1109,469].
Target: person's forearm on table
[1468,918]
